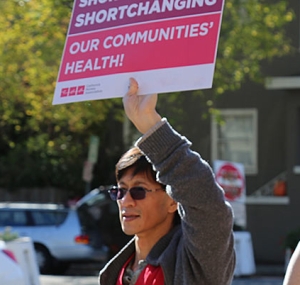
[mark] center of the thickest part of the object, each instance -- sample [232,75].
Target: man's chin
[128,231]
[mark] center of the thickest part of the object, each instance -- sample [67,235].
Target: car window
[13,218]
[47,218]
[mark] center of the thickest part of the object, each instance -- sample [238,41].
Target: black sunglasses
[136,193]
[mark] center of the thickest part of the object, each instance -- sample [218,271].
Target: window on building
[234,137]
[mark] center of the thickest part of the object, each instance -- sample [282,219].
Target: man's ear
[173,206]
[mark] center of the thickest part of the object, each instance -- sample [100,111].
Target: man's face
[149,217]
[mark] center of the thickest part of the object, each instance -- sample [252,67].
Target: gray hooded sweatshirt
[200,250]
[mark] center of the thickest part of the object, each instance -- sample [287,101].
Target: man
[157,180]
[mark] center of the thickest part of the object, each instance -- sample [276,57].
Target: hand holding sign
[140,109]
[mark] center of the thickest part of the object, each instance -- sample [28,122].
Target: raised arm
[206,217]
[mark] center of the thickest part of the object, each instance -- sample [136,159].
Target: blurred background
[56,155]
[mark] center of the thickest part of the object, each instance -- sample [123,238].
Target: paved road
[92,280]
[68,280]
[87,274]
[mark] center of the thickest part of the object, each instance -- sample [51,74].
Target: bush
[8,235]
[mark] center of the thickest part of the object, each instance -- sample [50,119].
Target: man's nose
[127,199]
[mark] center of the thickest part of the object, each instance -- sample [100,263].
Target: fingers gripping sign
[140,109]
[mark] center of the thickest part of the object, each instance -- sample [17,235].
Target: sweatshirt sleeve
[206,219]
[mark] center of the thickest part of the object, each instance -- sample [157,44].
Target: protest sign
[167,45]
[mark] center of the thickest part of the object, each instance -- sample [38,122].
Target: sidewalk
[68,280]
[93,280]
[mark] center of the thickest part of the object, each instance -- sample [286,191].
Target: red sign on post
[231,178]
[167,45]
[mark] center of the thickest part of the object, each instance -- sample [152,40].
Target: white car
[89,231]
[10,271]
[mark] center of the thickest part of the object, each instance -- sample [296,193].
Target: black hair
[136,160]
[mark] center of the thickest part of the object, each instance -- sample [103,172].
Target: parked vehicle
[90,231]
[10,271]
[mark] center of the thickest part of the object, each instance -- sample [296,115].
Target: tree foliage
[41,144]
[253,32]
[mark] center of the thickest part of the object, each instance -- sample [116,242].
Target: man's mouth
[129,217]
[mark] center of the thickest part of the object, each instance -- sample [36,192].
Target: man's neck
[143,247]
[145,241]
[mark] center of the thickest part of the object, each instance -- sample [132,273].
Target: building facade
[262,131]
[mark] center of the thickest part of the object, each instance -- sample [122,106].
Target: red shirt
[150,275]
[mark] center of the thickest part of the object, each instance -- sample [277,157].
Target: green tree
[41,144]
[253,32]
